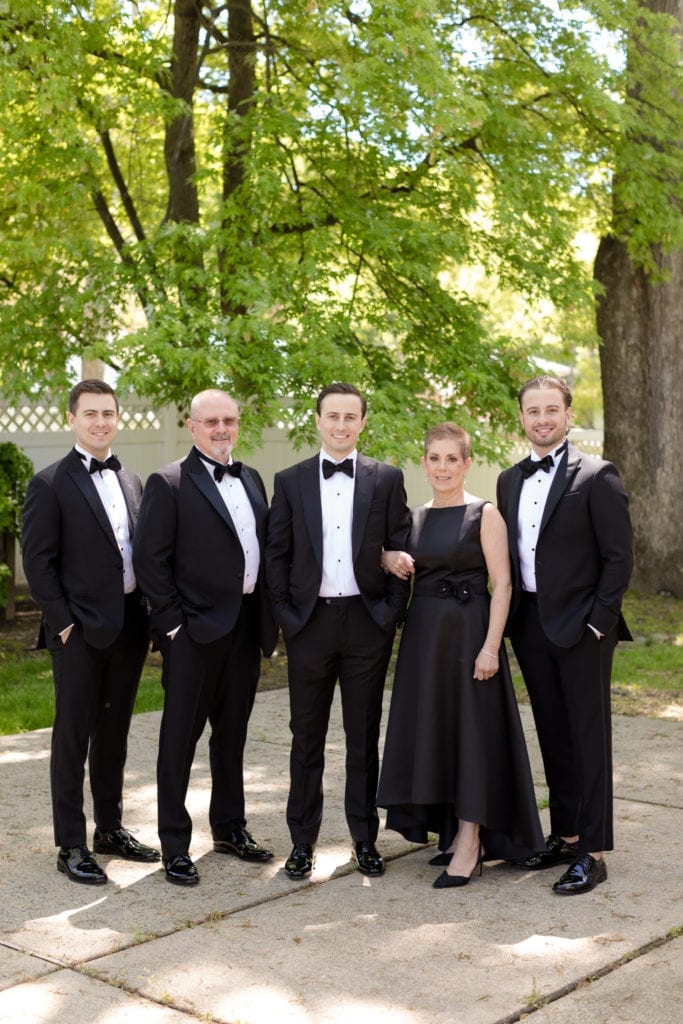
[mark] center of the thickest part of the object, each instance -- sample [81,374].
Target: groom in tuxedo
[78,525]
[198,556]
[331,516]
[571,551]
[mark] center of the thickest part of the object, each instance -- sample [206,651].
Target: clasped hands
[400,563]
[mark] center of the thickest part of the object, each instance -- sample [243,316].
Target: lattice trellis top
[44,418]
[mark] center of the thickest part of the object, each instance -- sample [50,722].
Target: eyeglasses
[213,421]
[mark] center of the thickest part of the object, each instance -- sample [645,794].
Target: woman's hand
[400,563]
[486,664]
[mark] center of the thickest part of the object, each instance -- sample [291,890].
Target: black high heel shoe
[440,859]
[446,881]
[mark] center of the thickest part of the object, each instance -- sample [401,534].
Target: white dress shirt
[532,499]
[235,499]
[336,496]
[107,484]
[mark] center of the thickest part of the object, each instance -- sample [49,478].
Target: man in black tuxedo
[77,536]
[198,552]
[571,550]
[331,516]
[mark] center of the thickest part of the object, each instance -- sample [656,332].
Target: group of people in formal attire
[198,562]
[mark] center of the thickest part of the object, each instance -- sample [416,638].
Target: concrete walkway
[248,945]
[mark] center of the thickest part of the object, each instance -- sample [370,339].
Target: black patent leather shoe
[180,870]
[368,859]
[557,851]
[241,844]
[584,874]
[78,864]
[121,843]
[299,864]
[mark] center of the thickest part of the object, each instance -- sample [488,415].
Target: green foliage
[16,469]
[301,214]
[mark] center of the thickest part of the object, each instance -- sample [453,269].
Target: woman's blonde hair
[449,432]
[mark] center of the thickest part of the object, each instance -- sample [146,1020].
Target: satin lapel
[309,492]
[516,482]
[201,479]
[130,497]
[564,474]
[257,503]
[418,515]
[87,488]
[363,492]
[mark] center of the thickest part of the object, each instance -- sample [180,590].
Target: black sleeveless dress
[454,746]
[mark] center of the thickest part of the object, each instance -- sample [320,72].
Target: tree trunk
[179,147]
[237,140]
[640,323]
[641,327]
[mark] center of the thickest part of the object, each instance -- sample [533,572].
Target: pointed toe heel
[446,881]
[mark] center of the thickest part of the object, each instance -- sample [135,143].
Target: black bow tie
[221,468]
[232,469]
[111,463]
[530,466]
[329,468]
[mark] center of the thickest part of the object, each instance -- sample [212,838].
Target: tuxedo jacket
[71,559]
[584,552]
[294,555]
[187,555]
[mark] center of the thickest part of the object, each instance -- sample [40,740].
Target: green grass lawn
[647,677]
[27,692]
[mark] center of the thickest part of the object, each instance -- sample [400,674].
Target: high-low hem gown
[455,746]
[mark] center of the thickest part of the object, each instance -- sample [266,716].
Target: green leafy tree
[640,309]
[270,195]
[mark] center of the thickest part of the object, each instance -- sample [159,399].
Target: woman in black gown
[455,760]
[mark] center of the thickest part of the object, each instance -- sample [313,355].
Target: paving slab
[73,997]
[397,943]
[648,760]
[50,915]
[250,945]
[17,967]
[647,989]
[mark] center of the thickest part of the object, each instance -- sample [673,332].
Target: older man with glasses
[198,553]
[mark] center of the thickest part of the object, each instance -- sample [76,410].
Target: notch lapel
[564,474]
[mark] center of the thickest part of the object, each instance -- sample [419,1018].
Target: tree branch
[120,183]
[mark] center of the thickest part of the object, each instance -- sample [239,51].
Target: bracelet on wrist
[484,651]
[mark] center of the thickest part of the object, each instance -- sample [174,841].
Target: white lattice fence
[47,417]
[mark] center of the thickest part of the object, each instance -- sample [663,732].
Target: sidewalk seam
[589,979]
